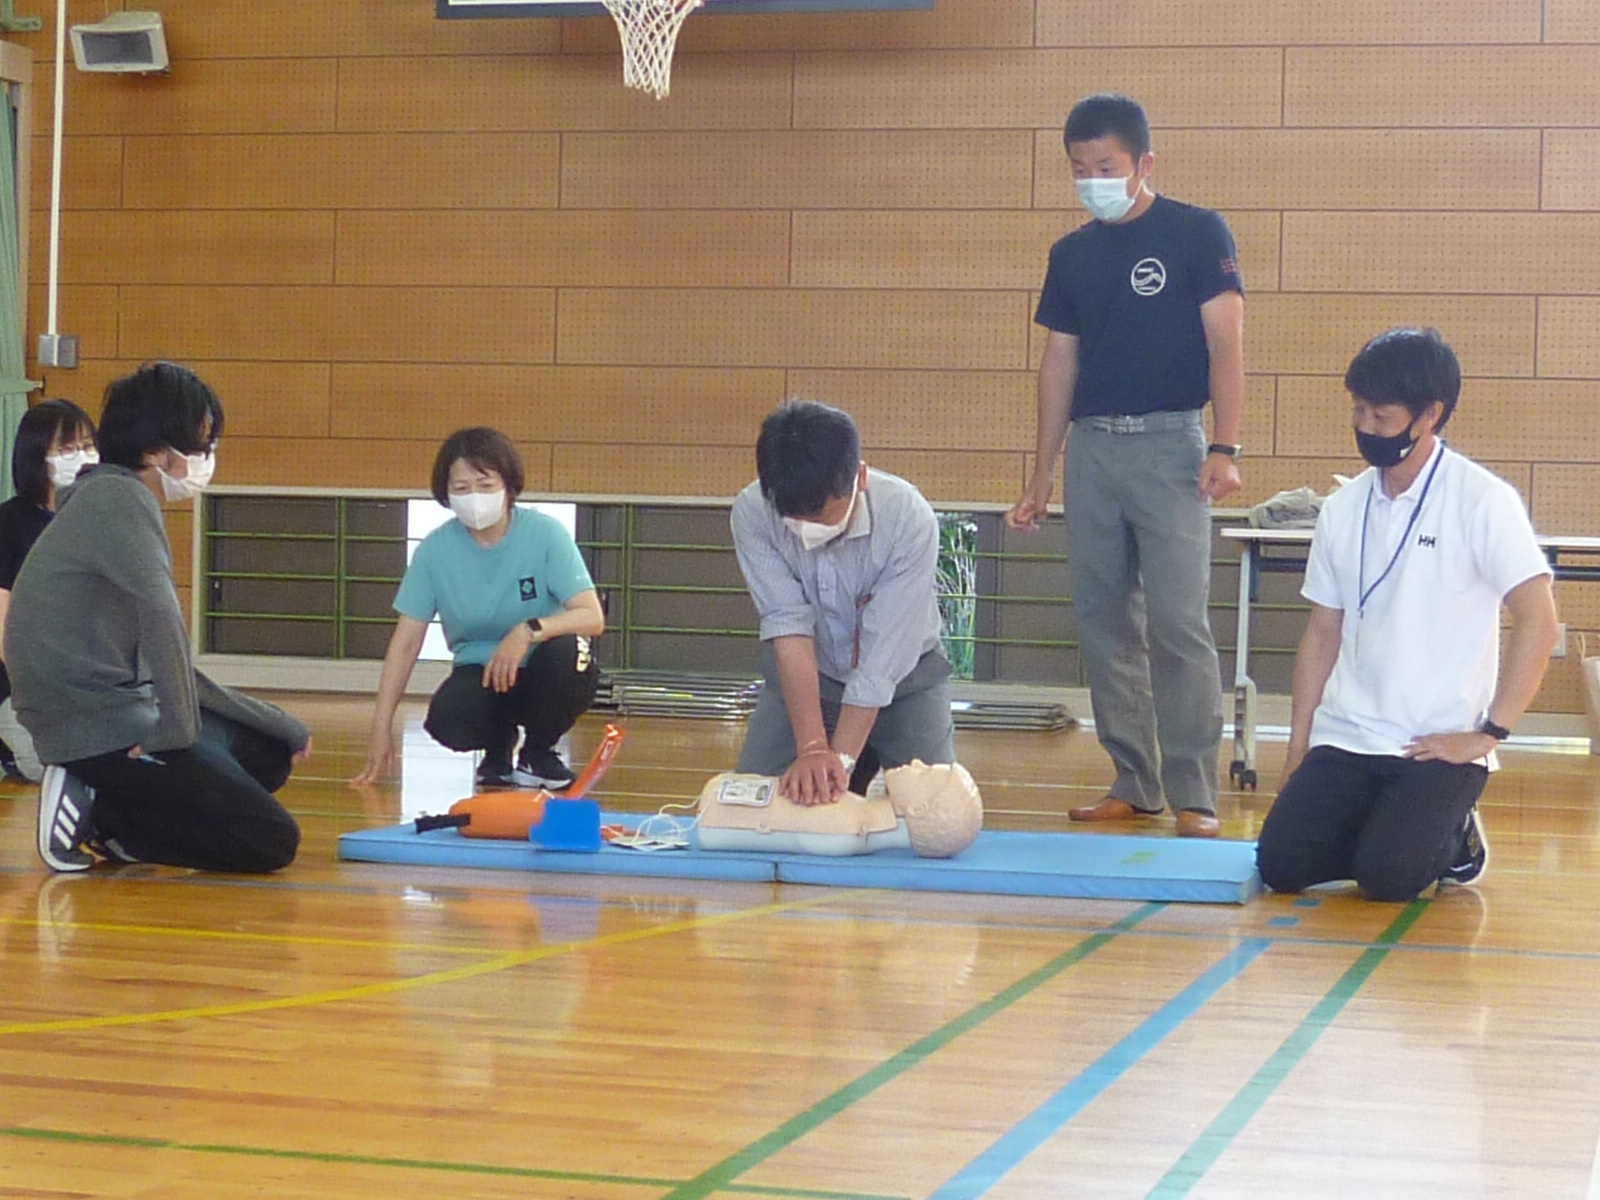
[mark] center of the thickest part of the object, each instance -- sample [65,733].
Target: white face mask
[201,468]
[478,510]
[812,534]
[64,468]
[1106,199]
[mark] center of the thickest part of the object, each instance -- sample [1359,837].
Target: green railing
[313,575]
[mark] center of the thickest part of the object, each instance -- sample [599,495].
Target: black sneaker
[1471,858]
[65,803]
[496,772]
[544,769]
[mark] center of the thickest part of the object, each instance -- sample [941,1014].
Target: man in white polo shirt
[1400,695]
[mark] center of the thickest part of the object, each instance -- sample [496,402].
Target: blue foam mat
[1081,865]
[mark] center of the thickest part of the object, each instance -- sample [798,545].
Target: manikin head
[941,806]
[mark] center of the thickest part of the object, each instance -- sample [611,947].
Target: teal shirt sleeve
[567,574]
[417,597]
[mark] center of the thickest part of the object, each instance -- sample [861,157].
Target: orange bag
[512,814]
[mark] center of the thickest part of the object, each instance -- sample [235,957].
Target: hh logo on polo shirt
[1427,540]
[1149,276]
[528,588]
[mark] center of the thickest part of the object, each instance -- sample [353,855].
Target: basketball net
[649,30]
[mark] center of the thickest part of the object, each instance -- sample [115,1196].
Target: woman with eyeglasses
[54,441]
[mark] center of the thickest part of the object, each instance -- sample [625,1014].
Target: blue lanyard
[1362,590]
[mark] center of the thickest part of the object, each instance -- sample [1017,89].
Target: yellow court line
[453,975]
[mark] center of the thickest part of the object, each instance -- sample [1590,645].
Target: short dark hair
[483,449]
[162,404]
[1107,114]
[38,430]
[808,454]
[1413,367]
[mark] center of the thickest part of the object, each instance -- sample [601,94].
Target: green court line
[720,1177]
[409,1164]
[1203,1153]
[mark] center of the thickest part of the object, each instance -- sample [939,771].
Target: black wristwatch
[1224,449]
[1498,732]
[535,627]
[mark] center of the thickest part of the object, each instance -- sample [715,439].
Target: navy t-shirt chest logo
[527,587]
[1148,277]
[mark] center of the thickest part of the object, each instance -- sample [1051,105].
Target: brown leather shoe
[1194,823]
[1109,809]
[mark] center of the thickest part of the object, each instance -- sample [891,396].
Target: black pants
[1389,823]
[209,806]
[553,689]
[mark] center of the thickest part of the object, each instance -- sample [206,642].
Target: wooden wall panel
[1537,420]
[195,247]
[1571,178]
[338,324]
[282,95]
[1009,89]
[551,248]
[1566,498]
[259,399]
[180,535]
[90,312]
[1562,689]
[841,328]
[1578,602]
[945,26]
[1321,169]
[1317,334]
[636,470]
[1571,21]
[1568,346]
[91,174]
[798,169]
[312,462]
[1490,253]
[1283,22]
[601,405]
[414,171]
[1258,422]
[1427,86]
[562,92]
[961,250]
[977,410]
[982,476]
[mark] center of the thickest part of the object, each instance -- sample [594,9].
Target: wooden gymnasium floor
[364,1031]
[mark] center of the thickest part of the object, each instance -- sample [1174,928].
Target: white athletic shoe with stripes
[64,826]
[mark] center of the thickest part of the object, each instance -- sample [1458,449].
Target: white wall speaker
[124,42]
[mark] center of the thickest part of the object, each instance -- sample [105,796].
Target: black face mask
[1387,451]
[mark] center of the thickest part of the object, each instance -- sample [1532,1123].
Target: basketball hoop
[649,30]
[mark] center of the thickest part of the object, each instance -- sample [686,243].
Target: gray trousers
[915,724]
[1139,539]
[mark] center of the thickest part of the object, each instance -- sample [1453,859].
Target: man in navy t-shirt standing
[1145,309]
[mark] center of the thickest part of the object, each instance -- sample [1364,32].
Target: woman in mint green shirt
[517,606]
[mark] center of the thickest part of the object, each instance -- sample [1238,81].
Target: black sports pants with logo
[553,689]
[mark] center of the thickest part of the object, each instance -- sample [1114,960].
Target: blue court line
[1202,1155]
[717,1177]
[1044,1122]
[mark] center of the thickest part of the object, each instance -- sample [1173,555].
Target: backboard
[588,8]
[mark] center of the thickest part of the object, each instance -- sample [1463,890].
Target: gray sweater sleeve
[135,558]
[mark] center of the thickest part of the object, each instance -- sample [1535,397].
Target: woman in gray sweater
[147,761]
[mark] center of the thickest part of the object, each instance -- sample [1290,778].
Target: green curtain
[14,387]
